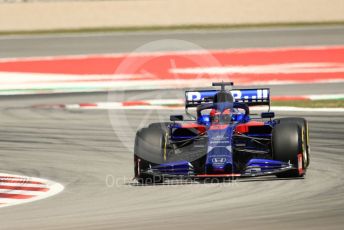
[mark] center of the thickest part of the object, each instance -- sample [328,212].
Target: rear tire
[287,147]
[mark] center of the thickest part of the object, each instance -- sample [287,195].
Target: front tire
[303,124]
[287,147]
[150,144]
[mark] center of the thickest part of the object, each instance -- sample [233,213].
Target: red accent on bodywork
[243,128]
[200,128]
[218,127]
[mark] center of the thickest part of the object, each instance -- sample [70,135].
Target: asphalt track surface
[87,153]
[99,43]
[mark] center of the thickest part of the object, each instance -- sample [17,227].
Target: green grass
[311,104]
[169,28]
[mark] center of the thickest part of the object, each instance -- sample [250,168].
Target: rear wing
[251,97]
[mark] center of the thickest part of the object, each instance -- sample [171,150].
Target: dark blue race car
[222,141]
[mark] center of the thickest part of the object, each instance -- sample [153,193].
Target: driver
[217,117]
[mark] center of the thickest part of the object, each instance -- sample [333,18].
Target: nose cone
[220,157]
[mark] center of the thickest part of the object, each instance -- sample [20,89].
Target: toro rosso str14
[223,140]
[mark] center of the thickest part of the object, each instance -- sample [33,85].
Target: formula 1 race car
[223,141]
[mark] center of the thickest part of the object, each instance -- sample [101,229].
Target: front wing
[184,170]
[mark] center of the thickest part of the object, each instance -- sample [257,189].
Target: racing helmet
[216,116]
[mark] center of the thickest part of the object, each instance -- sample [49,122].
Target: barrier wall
[142,13]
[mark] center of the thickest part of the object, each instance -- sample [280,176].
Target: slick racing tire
[303,124]
[149,151]
[287,147]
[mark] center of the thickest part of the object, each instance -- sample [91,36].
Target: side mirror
[176,118]
[268,115]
